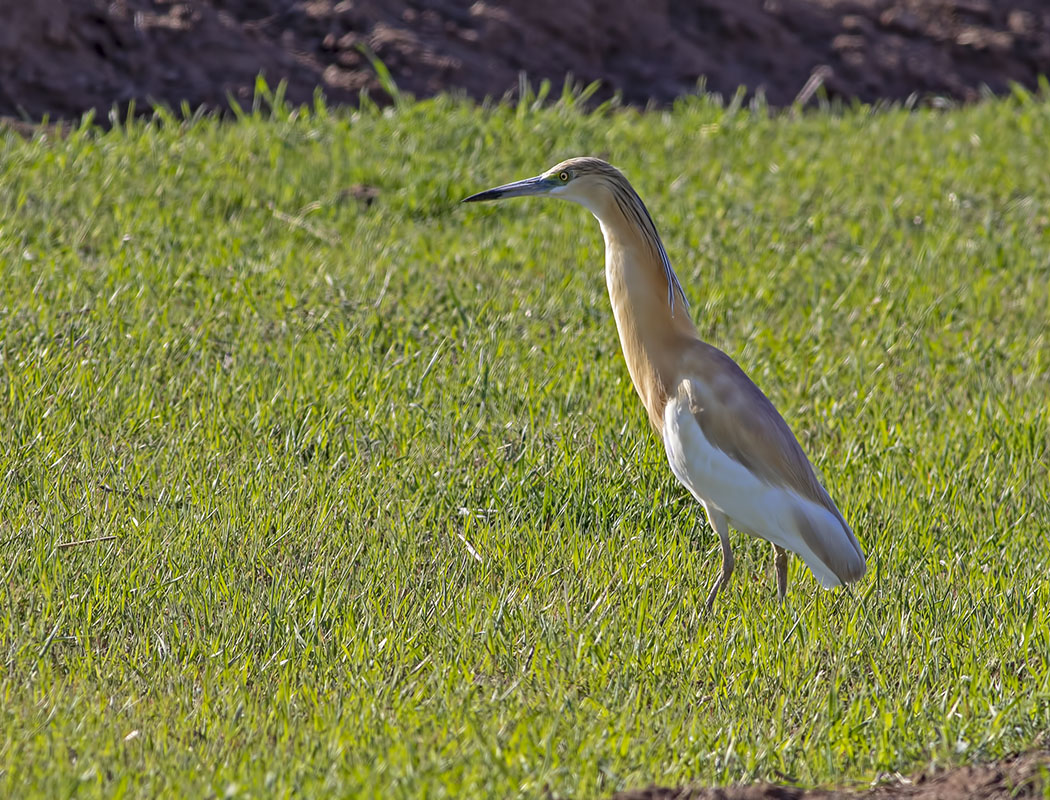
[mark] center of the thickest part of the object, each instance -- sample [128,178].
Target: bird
[725,441]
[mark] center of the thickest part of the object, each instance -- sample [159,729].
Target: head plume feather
[633,209]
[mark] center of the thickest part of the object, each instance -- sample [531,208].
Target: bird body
[725,441]
[754,500]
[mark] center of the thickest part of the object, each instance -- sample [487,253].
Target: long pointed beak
[526,188]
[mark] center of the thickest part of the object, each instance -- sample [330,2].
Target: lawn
[314,482]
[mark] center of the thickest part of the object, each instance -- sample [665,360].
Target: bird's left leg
[780,561]
[721,525]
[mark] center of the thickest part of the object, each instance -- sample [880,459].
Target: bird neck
[652,333]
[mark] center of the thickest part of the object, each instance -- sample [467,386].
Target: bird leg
[780,561]
[721,525]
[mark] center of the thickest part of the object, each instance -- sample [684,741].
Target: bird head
[590,182]
[603,190]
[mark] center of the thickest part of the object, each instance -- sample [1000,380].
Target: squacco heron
[725,441]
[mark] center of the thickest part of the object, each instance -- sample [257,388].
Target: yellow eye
[563,177]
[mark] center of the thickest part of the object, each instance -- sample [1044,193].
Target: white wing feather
[751,504]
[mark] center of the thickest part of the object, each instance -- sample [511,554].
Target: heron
[725,441]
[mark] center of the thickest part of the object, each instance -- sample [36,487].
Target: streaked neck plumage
[652,317]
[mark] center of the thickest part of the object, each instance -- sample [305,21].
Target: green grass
[382,515]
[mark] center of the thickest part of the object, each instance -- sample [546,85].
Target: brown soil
[1012,779]
[62,57]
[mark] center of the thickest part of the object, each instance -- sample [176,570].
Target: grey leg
[780,561]
[721,525]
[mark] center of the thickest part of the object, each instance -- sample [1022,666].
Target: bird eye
[563,177]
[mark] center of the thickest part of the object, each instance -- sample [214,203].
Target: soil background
[62,57]
[1011,779]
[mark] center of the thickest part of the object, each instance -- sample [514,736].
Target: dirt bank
[62,57]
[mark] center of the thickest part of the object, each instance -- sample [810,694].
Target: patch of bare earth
[63,57]
[1012,779]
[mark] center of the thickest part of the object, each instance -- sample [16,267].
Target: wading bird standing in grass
[725,441]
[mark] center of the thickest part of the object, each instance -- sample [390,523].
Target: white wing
[772,512]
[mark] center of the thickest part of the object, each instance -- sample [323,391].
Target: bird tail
[834,556]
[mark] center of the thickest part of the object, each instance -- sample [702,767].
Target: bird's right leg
[780,561]
[721,525]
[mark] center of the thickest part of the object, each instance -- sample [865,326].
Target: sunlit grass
[306,495]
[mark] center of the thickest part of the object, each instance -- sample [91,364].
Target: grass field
[305,496]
